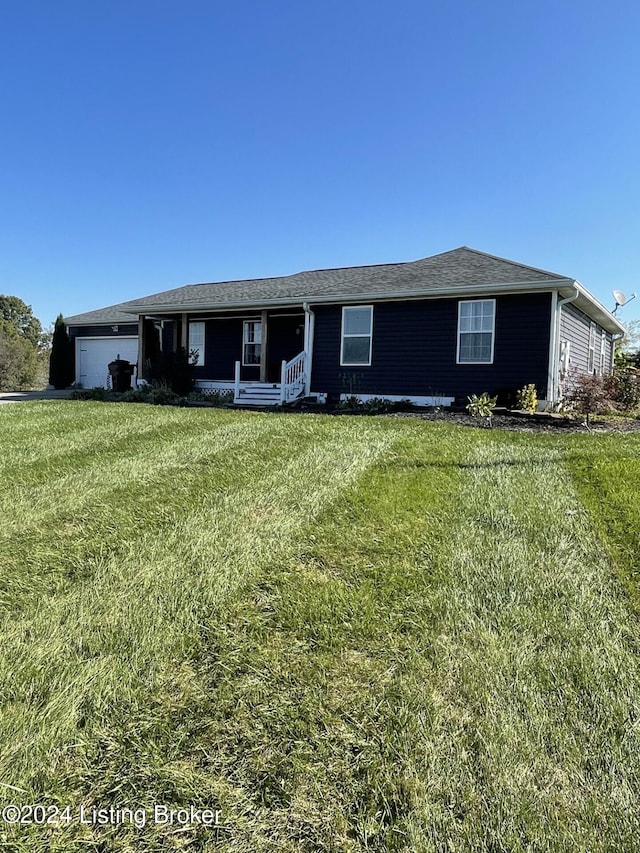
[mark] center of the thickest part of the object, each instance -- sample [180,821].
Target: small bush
[404,405]
[141,394]
[214,397]
[527,399]
[161,395]
[350,404]
[378,406]
[100,394]
[588,395]
[481,407]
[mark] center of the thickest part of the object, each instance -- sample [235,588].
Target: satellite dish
[621,299]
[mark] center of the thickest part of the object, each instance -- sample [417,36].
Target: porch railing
[293,378]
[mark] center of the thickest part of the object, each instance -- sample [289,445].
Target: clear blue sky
[148,144]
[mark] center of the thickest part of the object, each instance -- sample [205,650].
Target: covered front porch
[263,357]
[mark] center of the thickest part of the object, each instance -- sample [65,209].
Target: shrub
[378,406]
[404,405]
[141,394]
[527,399]
[481,407]
[100,394]
[173,370]
[161,395]
[213,397]
[350,404]
[588,395]
[623,387]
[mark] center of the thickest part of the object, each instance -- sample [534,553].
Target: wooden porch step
[259,395]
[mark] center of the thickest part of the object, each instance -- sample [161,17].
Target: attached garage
[94,354]
[100,337]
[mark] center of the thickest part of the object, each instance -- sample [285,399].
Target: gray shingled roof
[458,269]
[456,272]
[111,316]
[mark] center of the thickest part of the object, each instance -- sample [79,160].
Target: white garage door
[94,354]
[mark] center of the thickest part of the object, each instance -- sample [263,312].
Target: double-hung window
[357,335]
[476,331]
[196,342]
[251,342]
[603,345]
[592,347]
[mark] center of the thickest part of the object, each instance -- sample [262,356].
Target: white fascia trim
[598,312]
[351,298]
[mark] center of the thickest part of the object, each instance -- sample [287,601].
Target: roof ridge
[514,263]
[305,272]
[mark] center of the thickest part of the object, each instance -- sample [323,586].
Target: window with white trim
[357,335]
[476,331]
[592,347]
[603,345]
[251,342]
[196,342]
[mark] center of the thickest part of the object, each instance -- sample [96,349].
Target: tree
[16,313]
[18,359]
[61,362]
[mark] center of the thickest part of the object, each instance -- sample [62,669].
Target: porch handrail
[293,377]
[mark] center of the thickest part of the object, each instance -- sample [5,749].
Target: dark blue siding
[102,331]
[414,350]
[222,348]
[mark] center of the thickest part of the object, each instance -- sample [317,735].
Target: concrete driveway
[28,396]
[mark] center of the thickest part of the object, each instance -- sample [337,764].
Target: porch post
[141,343]
[236,382]
[184,333]
[263,348]
[309,330]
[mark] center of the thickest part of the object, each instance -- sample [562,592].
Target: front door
[285,340]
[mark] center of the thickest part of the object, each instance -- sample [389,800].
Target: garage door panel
[94,354]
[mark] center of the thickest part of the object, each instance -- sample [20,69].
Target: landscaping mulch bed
[524,422]
[503,419]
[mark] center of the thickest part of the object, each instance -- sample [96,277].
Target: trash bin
[120,372]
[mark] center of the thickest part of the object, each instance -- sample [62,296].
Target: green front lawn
[346,634]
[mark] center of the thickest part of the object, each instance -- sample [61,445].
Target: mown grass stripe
[49,548]
[469,681]
[90,481]
[103,441]
[144,608]
[535,676]
[431,655]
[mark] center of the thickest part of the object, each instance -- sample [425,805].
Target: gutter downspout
[614,341]
[553,367]
[309,330]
